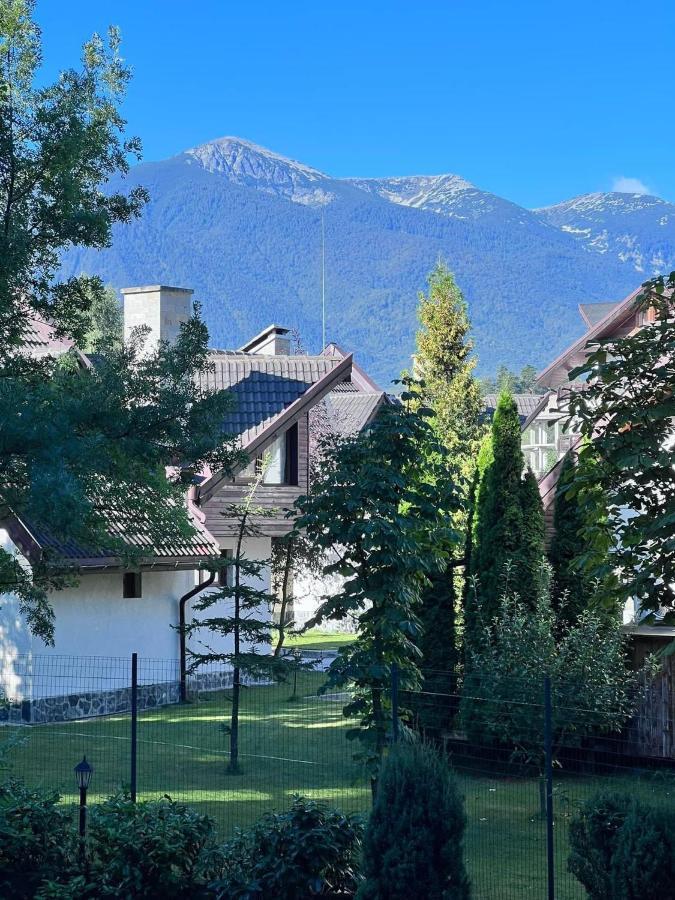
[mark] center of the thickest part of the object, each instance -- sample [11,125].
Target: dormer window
[279,463]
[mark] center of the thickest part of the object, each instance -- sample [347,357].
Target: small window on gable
[291,461]
[225,574]
[132,585]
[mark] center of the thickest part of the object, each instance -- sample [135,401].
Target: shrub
[413,839]
[622,849]
[135,850]
[643,865]
[308,851]
[36,839]
[593,837]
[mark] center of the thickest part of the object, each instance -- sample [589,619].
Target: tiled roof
[526,404]
[40,339]
[262,386]
[592,313]
[154,541]
[349,411]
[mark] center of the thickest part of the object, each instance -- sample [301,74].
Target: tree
[533,547]
[246,620]
[506,380]
[498,518]
[592,690]
[106,326]
[76,442]
[413,840]
[573,588]
[292,555]
[445,362]
[626,413]
[383,503]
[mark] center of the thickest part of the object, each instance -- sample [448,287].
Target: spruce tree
[529,567]
[445,362]
[498,524]
[573,588]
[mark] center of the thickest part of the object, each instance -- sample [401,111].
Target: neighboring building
[113,612]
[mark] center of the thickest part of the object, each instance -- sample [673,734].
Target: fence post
[394,703]
[548,752]
[134,723]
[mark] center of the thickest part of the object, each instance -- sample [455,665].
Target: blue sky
[535,101]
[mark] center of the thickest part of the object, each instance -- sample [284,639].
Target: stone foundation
[66,708]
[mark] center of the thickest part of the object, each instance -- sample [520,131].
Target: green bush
[413,841]
[622,849]
[37,840]
[308,851]
[643,866]
[593,837]
[159,849]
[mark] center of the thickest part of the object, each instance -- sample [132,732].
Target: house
[112,612]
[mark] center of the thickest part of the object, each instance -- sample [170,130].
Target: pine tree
[413,841]
[498,524]
[529,561]
[572,587]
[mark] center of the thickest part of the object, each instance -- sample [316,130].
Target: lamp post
[83,773]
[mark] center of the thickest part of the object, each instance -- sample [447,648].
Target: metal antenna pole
[323,282]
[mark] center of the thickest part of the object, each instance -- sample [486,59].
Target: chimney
[273,341]
[162,308]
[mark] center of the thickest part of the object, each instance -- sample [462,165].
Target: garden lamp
[83,773]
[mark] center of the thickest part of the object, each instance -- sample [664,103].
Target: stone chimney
[272,341]
[158,306]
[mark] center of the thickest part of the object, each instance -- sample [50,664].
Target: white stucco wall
[97,629]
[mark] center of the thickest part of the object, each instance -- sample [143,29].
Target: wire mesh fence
[293,740]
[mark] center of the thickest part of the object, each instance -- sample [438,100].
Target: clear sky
[535,101]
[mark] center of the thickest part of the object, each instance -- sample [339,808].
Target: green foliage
[505,380]
[592,689]
[573,588]
[445,362]
[593,836]
[147,850]
[76,439]
[413,839]
[106,327]
[308,851]
[625,413]
[532,553]
[621,849]
[240,614]
[383,503]
[37,839]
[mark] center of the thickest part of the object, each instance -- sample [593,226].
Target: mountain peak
[245,163]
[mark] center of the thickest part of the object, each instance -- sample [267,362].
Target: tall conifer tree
[530,560]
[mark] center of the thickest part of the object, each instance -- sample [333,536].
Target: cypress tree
[413,841]
[530,570]
[498,522]
[572,587]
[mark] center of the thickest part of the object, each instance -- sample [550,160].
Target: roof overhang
[279,424]
[557,373]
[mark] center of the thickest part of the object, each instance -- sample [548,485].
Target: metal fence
[520,792]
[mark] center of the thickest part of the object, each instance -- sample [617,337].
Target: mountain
[636,228]
[242,226]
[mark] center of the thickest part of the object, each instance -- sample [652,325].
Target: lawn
[300,746]
[319,640]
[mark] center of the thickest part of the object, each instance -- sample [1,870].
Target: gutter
[181,630]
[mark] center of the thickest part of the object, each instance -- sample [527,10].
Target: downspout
[181,630]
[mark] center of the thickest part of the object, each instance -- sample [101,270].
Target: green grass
[318,640]
[301,747]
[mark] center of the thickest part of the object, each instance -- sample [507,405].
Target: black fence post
[548,752]
[394,703]
[134,723]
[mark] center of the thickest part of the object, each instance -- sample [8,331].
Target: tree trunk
[284,598]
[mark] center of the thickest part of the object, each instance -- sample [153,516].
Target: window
[291,461]
[225,574]
[132,585]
